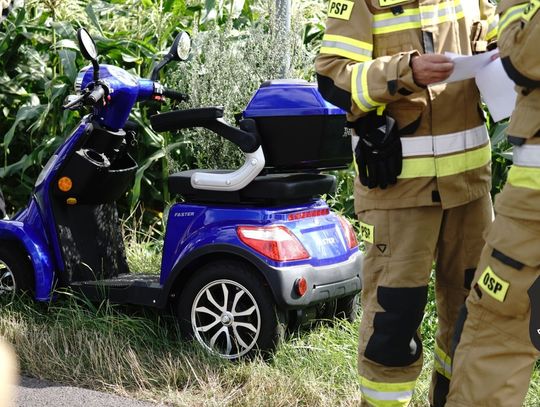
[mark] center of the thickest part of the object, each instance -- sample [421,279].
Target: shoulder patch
[388,3]
[531,10]
[385,4]
[341,9]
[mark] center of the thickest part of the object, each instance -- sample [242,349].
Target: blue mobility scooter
[246,253]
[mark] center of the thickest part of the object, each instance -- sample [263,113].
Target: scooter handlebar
[96,95]
[173,94]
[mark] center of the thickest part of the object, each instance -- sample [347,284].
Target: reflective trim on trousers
[527,155]
[524,177]
[510,15]
[444,144]
[360,89]
[350,48]
[445,166]
[442,362]
[386,394]
[417,17]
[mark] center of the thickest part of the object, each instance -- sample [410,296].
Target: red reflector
[309,214]
[350,235]
[300,286]
[275,242]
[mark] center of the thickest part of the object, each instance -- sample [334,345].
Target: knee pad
[394,341]
[534,323]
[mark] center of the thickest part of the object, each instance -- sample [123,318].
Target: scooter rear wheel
[227,309]
[16,272]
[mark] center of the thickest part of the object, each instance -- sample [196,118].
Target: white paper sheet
[497,90]
[467,66]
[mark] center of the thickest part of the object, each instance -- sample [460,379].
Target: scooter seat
[271,188]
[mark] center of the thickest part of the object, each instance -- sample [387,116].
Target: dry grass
[136,352]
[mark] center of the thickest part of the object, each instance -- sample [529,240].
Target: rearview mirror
[88,49]
[181,46]
[178,52]
[87,45]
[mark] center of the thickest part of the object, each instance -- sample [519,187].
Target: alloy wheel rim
[226,319]
[7,280]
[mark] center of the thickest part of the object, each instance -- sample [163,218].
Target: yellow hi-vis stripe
[493,23]
[443,362]
[360,89]
[445,166]
[524,177]
[510,15]
[418,17]
[386,394]
[350,48]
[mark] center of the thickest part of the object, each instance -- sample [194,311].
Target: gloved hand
[378,152]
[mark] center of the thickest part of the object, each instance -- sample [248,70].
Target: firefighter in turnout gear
[499,341]
[423,158]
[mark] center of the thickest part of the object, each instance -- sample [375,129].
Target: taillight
[274,242]
[352,241]
[308,214]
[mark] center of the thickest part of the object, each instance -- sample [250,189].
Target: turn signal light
[275,242]
[300,286]
[350,235]
[65,184]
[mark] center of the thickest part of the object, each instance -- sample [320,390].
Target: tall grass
[136,352]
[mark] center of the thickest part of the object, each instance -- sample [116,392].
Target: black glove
[378,152]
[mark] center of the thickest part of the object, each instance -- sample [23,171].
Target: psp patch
[341,9]
[492,284]
[390,3]
[367,232]
[530,10]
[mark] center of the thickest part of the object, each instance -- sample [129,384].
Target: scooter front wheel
[16,272]
[227,309]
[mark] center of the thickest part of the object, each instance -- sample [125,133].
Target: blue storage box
[299,129]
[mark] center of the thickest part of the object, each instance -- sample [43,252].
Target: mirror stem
[95,65]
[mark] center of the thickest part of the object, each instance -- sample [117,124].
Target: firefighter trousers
[401,247]
[499,341]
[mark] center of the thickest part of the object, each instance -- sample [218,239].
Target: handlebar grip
[96,95]
[172,94]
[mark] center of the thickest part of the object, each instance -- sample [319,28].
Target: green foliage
[228,65]
[237,47]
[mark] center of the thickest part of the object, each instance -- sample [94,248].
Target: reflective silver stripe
[447,9]
[445,366]
[444,144]
[346,47]
[415,18]
[360,88]
[527,155]
[387,395]
[493,22]
[513,13]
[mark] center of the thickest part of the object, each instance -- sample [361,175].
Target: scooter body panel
[28,229]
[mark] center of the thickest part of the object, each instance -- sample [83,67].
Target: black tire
[16,271]
[345,308]
[218,325]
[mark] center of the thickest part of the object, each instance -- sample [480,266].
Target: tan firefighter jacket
[364,64]
[519,43]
